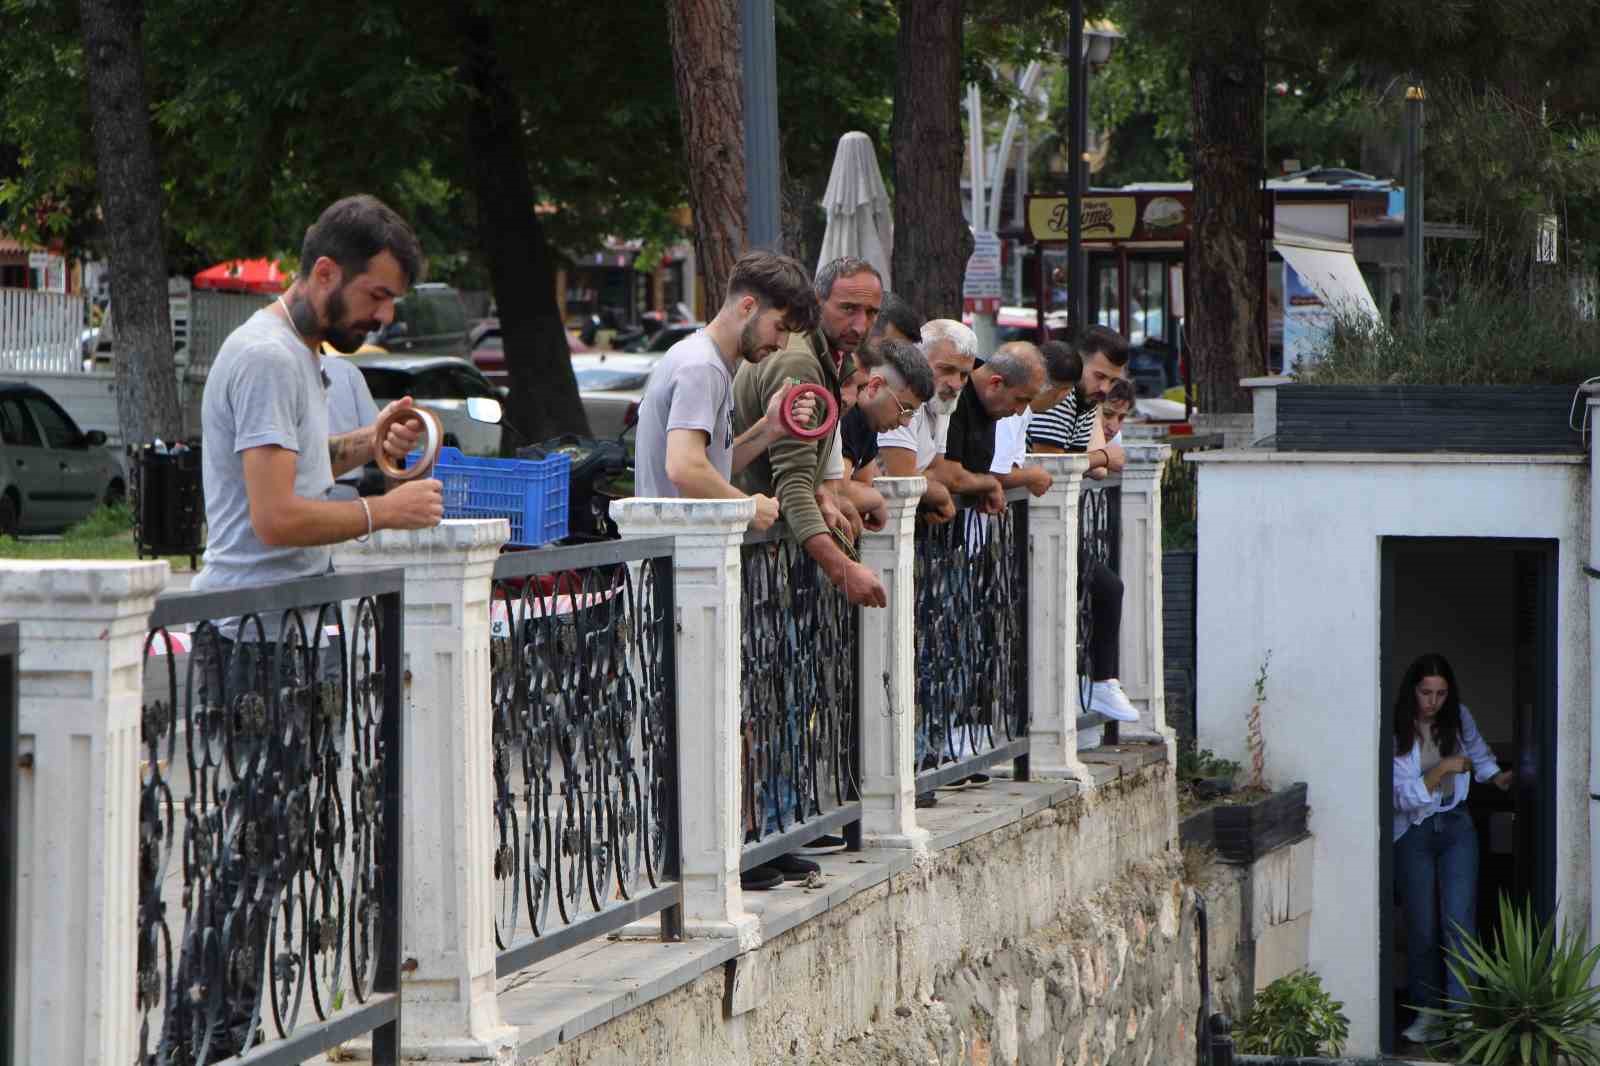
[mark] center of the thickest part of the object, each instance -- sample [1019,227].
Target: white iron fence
[40,332]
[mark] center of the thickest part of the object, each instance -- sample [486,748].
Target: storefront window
[1147,301]
[1108,308]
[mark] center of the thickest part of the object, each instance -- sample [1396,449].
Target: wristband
[365,507]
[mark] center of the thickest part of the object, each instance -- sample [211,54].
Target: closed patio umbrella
[859,222]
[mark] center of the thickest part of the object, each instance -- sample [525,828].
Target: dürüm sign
[1115,218]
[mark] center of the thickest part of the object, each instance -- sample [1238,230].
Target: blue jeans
[1436,864]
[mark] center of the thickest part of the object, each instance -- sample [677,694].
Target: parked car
[663,338]
[52,474]
[611,386]
[428,320]
[1022,324]
[489,353]
[445,385]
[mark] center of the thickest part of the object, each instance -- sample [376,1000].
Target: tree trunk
[706,74]
[1227,256]
[544,398]
[130,197]
[931,242]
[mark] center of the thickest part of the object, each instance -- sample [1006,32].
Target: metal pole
[1414,262]
[759,51]
[1077,145]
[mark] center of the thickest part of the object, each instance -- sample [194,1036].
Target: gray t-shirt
[265,388]
[690,388]
[350,407]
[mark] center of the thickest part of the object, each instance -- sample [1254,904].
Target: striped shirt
[1065,425]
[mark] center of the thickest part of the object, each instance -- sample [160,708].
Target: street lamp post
[760,90]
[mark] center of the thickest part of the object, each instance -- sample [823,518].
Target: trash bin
[169,507]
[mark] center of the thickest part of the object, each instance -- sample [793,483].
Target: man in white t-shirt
[1011,434]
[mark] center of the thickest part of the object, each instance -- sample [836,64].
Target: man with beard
[951,350]
[269,460]
[859,441]
[849,292]
[268,469]
[685,439]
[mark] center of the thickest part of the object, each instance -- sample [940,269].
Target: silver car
[611,386]
[468,406]
[52,474]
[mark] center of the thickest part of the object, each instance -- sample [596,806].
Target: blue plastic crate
[532,493]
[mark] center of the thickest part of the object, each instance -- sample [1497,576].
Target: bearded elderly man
[850,293]
[951,350]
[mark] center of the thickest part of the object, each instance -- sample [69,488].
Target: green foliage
[1294,1016]
[1529,995]
[1203,763]
[1485,335]
[109,520]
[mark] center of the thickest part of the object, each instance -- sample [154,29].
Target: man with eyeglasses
[894,391]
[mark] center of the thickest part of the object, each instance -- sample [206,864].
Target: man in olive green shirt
[850,292]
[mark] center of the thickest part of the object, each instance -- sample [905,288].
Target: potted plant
[1294,1016]
[1530,995]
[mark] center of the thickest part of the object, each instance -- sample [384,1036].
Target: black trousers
[1105,607]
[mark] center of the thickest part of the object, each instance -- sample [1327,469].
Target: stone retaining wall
[1068,937]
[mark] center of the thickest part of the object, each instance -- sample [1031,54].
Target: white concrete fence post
[451,1009]
[1143,663]
[81,638]
[1053,620]
[707,590]
[888,677]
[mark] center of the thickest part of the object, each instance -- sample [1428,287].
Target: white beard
[944,408]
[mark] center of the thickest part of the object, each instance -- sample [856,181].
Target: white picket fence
[212,316]
[40,332]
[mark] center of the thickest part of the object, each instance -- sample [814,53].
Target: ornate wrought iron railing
[585,707]
[801,700]
[9,766]
[270,820]
[1099,543]
[971,579]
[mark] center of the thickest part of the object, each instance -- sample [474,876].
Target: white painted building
[1346,566]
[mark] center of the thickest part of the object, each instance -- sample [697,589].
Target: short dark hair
[899,314]
[1061,363]
[1120,391]
[906,361]
[1099,340]
[846,266]
[776,281]
[354,230]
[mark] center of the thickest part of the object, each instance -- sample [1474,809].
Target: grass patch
[105,534]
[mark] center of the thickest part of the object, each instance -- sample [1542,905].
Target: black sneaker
[974,779]
[794,868]
[926,799]
[760,879]
[823,845]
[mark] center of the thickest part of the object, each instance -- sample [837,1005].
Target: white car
[445,385]
[611,384]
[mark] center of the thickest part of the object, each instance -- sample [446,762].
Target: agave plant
[1529,995]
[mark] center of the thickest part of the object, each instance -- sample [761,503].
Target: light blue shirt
[1413,802]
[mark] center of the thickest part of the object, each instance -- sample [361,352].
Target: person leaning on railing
[267,469]
[685,444]
[951,349]
[1073,426]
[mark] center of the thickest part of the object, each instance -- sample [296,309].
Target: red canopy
[244,275]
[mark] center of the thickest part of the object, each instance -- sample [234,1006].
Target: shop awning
[1330,269]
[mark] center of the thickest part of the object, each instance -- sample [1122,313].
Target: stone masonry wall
[1050,937]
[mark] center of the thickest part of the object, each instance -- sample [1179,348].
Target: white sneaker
[1420,1031]
[1107,698]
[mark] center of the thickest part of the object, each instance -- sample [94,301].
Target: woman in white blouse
[1437,753]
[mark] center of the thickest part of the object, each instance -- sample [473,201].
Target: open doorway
[1489,607]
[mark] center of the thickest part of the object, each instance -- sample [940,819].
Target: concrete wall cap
[656,515]
[453,534]
[1147,453]
[1056,464]
[1270,381]
[79,581]
[901,488]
